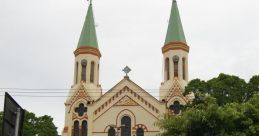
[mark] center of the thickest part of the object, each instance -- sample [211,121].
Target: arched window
[84,128]
[126,126]
[176,107]
[111,132]
[76,72]
[92,72]
[76,128]
[176,61]
[167,69]
[140,132]
[83,74]
[98,74]
[183,61]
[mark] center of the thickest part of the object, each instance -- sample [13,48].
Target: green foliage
[43,126]
[210,119]
[225,88]
[223,106]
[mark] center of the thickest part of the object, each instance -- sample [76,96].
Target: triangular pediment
[127,93]
[126,101]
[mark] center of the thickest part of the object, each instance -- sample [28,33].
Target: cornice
[175,46]
[88,50]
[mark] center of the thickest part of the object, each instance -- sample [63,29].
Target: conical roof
[88,36]
[175,31]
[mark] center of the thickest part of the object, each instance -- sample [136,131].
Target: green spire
[175,29]
[88,34]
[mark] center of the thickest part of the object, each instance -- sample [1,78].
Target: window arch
[183,67]
[167,69]
[92,72]
[84,128]
[140,132]
[126,126]
[176,107]
[111,132]
[83,73]
[76,128]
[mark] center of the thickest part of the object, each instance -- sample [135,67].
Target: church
[126,109]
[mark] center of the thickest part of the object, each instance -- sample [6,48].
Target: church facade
[126,109]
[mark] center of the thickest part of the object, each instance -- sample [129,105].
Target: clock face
[175,58]
[84,62]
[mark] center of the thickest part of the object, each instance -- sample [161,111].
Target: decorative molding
[88,50]
[76,117]
[175,46]
[134,94]
[126,101]
[140,126]
[176,90]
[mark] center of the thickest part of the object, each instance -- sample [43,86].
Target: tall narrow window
[92,72]
[76,128]
[98,74]
[184,74]
[83,73]
[140,132]
[126,126]
[111,132]
[84,128]
[76,72]
[167,69]
[176,61]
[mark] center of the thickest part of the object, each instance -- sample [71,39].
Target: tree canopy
[43,125]
[223,106]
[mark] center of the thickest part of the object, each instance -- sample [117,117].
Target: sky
[38,37]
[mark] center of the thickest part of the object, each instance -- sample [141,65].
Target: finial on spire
[90,2]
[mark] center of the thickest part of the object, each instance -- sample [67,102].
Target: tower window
[81,109]
[167,69]
[140,132]
[76,128]
[126,126]
[184,74]
[76,72]
[83,74]
[84,128]
[176,61]
[92,72]
[111,132]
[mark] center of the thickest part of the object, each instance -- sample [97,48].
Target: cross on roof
[126,70]
[81,109]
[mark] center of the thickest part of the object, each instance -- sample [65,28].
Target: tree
[225,88]
[210,119]
[43,126]
[223,106]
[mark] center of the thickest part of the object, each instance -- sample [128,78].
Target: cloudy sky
[38,37]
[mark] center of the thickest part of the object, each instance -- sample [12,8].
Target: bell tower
[87,58]
[86,88]
[175,55]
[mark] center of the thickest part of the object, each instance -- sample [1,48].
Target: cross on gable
[81,109]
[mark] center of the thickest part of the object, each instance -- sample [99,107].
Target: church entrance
[126,126]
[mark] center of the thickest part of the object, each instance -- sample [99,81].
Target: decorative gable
[176,90]
[80,93]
